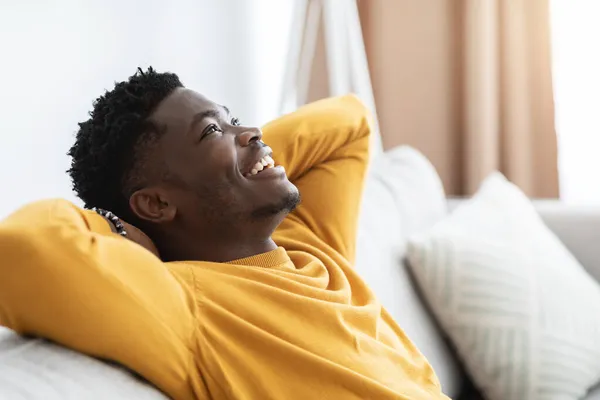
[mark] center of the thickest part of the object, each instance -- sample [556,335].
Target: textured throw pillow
[522,312]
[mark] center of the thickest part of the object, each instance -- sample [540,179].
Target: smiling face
[218,174]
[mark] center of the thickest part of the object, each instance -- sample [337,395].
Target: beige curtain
[468,82]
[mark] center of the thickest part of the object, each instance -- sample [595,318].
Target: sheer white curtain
[576,68]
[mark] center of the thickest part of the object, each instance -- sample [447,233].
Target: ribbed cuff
[265,260]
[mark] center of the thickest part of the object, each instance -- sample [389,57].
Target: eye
[212,128]
[235,122]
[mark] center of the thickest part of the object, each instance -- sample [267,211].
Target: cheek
[203,166]
[221,163]
[216,182]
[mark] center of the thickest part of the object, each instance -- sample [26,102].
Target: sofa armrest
[577,227]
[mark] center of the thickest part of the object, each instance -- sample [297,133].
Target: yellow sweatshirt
[293,323]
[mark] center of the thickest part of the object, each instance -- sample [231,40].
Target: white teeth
[263,163]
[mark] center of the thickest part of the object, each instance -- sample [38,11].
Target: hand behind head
[136,235]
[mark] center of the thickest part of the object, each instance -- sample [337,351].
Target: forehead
[179,108]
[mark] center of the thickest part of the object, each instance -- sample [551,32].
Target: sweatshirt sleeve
[324,148]
[64,276]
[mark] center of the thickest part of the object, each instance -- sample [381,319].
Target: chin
[287,202]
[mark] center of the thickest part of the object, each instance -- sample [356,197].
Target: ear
[152,204]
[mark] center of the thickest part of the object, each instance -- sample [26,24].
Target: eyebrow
[212,113]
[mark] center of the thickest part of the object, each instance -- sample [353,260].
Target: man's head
[178,165]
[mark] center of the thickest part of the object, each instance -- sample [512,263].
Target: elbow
[360,114]
[19,266]
[37,265]
[26,252]
[16,246]
[362,124]
[33,248]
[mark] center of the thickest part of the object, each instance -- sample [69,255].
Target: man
[230,292]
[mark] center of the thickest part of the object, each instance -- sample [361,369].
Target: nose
[248,136]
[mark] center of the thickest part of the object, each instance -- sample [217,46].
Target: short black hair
[108,155]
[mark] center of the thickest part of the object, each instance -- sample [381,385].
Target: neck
[180,250]
[219,241]
[214,247]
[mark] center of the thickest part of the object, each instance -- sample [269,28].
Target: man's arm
[324,148]
[64,276]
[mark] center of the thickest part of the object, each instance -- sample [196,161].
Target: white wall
[57,56]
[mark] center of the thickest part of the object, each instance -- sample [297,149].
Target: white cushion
[522,312]
[594,394]
[403,195]
[37,369]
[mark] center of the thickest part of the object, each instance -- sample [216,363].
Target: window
[576,68]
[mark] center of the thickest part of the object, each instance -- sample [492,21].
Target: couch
[403,196]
